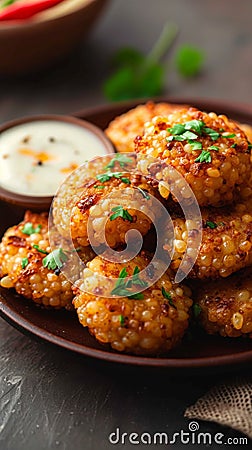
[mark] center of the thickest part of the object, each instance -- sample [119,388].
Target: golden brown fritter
[226,241]
[22,251]
[123,129]
[225,306]
[114,208]
[150,324]
[71,190]
[211,152]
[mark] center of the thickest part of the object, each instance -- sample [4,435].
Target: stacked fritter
[213,154]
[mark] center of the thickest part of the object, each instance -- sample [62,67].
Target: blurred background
[220,28]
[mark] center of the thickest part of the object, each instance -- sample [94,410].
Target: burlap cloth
[227,404]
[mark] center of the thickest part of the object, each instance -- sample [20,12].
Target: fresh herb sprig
[29,229]
[119,211]
[103,177]
[167,296]
[123,288]
[119,158]
[24,263]
[141,76]
[55,259]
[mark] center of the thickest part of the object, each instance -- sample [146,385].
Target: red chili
[21,11]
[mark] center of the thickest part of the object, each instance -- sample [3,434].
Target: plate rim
[24,325]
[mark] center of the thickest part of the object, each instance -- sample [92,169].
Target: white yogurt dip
[36,157]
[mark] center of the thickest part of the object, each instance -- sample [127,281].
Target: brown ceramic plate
[62,328]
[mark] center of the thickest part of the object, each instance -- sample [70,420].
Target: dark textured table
[50,398]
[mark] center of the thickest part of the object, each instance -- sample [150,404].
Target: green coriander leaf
[138,296]
[178,128]
[166,294]
[211,225]
[213,147]
[123,273]
[29,229]
[103,177]
[195,125]
[205,156]
[180,137]
[119,211]
[122,320]
[55,259]
[229,136]
[234,145]
[40,249]
[214,135]
[136,270]
[249,145]
[144,194]
[125,180]
[190,135]
[189,60]
[99,187]
[24,263]
[121,158]
[196,310]
[195,145]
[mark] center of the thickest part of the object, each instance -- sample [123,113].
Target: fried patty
[211,152]
[123,129]
[225,306]
[150,324]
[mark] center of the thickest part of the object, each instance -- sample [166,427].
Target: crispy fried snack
[123,129]
[226,243]
[210,151]
[115,208]
[150,324]
[22,251]
[225,306]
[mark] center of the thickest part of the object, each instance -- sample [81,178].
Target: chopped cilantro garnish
[138,296]
[196,310]
[121,158]
[24,262]
[195,125]
[229,136]
[211,225]
[99,187]
[195,145]
[29,229]
[103,177]
[122,320]
[178,128]
[55,259]
[123,288]
[40,249]
[125,180]
[189,135]
[233,145]
[144,194]
[205,156]
[249,145]
[213,147]
[119,211]
[214,135]
[167,296]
